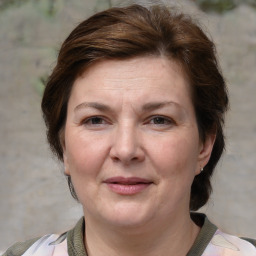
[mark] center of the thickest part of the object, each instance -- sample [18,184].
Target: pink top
[221,244]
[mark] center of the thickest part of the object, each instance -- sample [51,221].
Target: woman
[135,109]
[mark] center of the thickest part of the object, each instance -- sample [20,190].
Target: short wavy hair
[133,31]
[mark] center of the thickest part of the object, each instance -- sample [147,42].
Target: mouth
[127,186]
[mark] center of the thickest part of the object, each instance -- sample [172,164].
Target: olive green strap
[19,248]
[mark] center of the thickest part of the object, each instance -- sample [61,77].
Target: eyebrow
[147,107]
[96,105]
[156,105]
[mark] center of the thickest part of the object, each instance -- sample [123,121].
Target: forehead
[149,76]
[138,68]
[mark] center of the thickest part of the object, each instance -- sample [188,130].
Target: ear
[205,150]
[65,158]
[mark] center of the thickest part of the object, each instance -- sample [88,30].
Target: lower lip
[128,189]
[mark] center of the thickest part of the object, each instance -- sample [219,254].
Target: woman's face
[132,146]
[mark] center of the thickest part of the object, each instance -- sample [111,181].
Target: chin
[128,215]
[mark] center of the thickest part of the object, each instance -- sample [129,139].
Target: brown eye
[160,120]
[95,120]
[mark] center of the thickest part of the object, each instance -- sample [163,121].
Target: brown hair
[122,33]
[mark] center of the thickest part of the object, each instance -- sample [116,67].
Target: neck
[173,237]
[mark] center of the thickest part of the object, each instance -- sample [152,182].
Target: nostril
[126,153]
[115,159]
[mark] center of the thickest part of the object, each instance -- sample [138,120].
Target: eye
[161,120]
[95,121]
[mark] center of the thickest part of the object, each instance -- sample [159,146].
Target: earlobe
[65,161]
[64,155]
[66,165]
[205,152]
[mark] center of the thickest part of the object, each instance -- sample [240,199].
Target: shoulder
[48,245]
[68,243]
[212,241]
[225,244]
[250,240]
[19,248]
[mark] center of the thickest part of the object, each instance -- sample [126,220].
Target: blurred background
[34,196]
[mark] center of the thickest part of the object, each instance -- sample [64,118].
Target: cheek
[175,157]
[84,153]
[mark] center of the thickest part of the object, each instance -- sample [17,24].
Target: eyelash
[89,121]
[101,121]
[167,121]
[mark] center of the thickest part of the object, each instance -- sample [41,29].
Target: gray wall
[34,197]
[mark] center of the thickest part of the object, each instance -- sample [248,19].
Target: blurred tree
[51,7]
[8,3]
[221,6]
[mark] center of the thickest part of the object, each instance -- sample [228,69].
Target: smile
[127,186]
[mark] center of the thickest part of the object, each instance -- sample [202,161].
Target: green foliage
[221,6]
[50,10]
[8,3]
[40,84]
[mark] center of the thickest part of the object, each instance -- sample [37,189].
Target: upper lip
[127,181]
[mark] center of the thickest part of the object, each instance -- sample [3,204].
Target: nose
[126,147]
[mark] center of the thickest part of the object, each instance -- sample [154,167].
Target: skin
[134,118]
